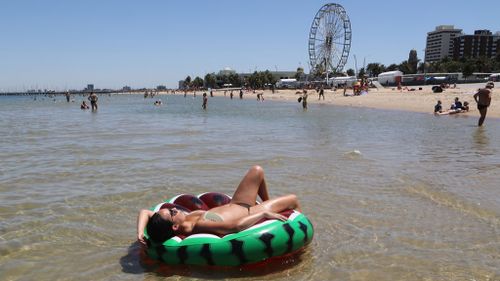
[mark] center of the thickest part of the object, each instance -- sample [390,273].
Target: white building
[440,43]
[390,77]
[226,71]
[286,83]
[341,81]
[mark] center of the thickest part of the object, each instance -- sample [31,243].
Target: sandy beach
[389,98]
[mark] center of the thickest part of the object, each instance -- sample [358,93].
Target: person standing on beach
[321,93]
[68,97]
[205,101]
[483,100]
[93,101]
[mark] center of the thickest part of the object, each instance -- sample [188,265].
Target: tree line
[258,79]
[413,65]
[466,66]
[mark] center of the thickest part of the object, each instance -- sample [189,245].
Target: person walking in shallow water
[321,93]
[303,98]
[205,101]
[93,101]
[483,100]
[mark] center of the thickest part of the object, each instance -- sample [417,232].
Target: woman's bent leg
[252,184]
[282,203]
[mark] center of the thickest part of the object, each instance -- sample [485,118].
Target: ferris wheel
[330,39]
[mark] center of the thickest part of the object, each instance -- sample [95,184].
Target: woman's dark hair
[159,229]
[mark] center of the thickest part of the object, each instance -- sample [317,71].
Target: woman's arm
[226,227]
[250,220]
[142,220]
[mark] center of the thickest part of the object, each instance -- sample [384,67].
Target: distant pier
[54,93]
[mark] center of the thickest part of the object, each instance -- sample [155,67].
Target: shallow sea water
[392,195]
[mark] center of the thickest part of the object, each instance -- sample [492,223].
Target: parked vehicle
[495,77]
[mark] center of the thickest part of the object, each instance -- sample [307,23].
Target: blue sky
[110,43]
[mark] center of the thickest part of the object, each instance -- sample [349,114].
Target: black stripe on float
[303,227]
[182,254]
[290,232]
[207,254]
[312,226]
[237,250]
[266,239]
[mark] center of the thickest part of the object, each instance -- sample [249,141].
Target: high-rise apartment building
[90,87]
[440,43]
[482,44]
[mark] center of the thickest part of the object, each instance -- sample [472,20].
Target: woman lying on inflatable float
[227,232]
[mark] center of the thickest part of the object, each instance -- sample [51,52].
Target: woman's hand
[140,239]
[276,216]
[142,220]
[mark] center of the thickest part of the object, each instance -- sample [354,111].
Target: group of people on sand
[482,98]
[440,88]
[456,107]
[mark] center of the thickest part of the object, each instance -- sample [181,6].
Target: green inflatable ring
[267,239]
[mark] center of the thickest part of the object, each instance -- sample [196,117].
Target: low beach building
[276,74]
[390,77]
